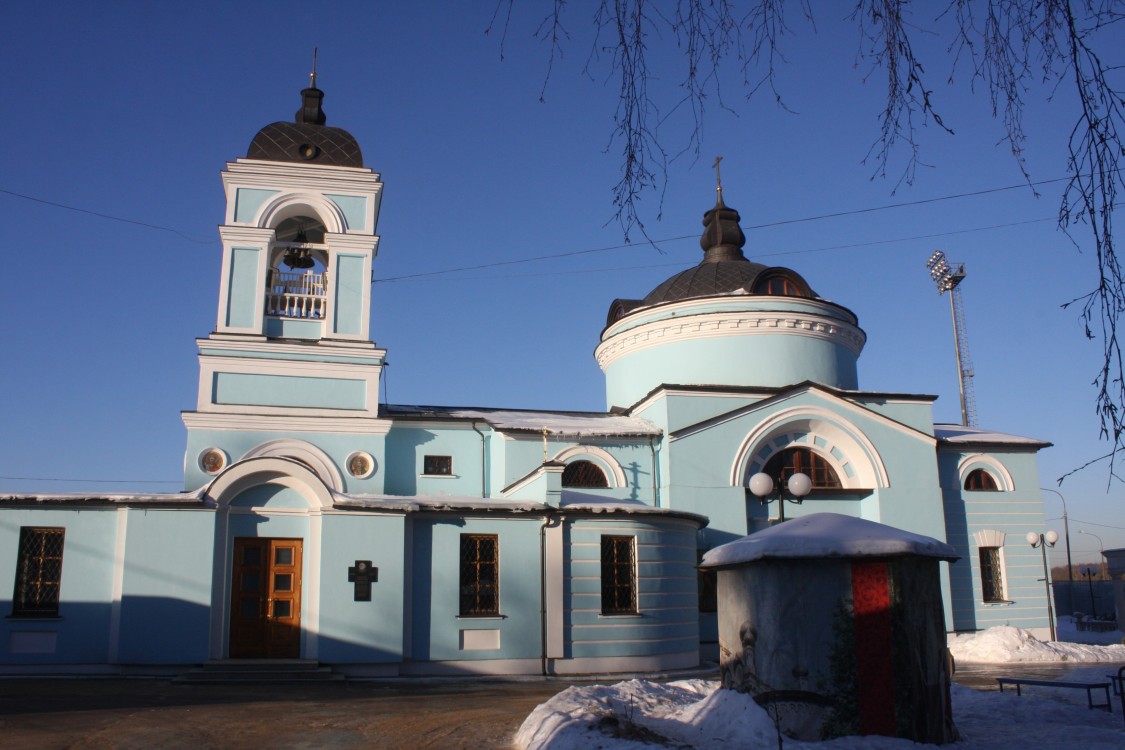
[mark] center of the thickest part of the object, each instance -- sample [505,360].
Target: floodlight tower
[948,279]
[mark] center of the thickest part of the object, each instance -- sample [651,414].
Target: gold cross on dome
[718,175]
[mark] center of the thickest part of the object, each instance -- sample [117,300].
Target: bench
[1089,687]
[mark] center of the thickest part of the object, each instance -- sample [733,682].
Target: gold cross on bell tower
[718,178]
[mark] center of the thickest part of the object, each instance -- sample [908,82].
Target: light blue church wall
[362,632]
[1010,514]
[243,287]
[437,627]
[81,632]
[776,360]
[248,389]
[350,286]
[407,447]
[166,586]
[237,443]
[667,621]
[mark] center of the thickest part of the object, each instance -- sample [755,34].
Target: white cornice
[283,175]
[194,420]
[321,348]
[727,324]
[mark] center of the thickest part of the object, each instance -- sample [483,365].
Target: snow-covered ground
[696,714]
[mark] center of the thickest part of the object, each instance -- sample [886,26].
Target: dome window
[780,286]
[790,461]
[584,474]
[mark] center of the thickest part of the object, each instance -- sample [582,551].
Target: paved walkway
[146,714]
[142,714]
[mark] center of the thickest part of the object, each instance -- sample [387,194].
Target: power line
[110,217]
[836,215]
[648,266]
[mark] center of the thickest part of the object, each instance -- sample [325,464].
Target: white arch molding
[990,464]
[801,426]
[600,457]
[287,205]
[305,452]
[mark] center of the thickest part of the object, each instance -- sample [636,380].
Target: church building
[319,524]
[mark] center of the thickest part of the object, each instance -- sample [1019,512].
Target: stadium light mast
[948,279]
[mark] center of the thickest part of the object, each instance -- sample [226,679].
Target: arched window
[583,474]
[788,462]
[781,286]
[980,480]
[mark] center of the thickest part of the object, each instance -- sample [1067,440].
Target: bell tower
[292,344]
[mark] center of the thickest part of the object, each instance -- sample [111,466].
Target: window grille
[788,462]
[619,576]
[38,573]
[991,575]
[583,474]
[980,480]
[480,575]
[437,465]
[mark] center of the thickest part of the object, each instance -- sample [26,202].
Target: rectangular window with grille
[38,572]
[619,575]
[991,575]
[437,465]
[480,575]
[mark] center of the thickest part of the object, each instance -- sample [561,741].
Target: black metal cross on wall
[363,574]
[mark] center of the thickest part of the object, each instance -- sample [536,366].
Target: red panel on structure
[873,638]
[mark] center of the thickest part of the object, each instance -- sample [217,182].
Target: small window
[480,575]
[583,474]
[441,466]
[980,480]
[38,573]
[793,460]
[991,575]
[619,576]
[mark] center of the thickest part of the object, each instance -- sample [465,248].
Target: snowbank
[1007,644]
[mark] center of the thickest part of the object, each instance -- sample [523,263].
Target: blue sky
[132,110]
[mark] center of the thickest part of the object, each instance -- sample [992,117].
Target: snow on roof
[556,422]
[414,503]
[827,535]
[69,498]
[586,503]
[959,434]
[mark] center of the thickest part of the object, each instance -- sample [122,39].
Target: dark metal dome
[308,139]
[724,269]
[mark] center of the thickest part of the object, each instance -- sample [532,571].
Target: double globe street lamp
[799,486]
[1043,541]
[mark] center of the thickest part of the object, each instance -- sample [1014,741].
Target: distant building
[317,523]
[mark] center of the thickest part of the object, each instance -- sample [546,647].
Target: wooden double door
[265,619]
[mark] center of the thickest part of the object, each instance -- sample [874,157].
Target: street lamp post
[1043,541]
[1101,546]
[762,485]
[1066,537]
[1089,573]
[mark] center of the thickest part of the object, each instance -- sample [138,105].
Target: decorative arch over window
[584,474]
[600,460]
[785,463]
[976,471]
[842,446]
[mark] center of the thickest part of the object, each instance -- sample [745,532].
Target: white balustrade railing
[296,295]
